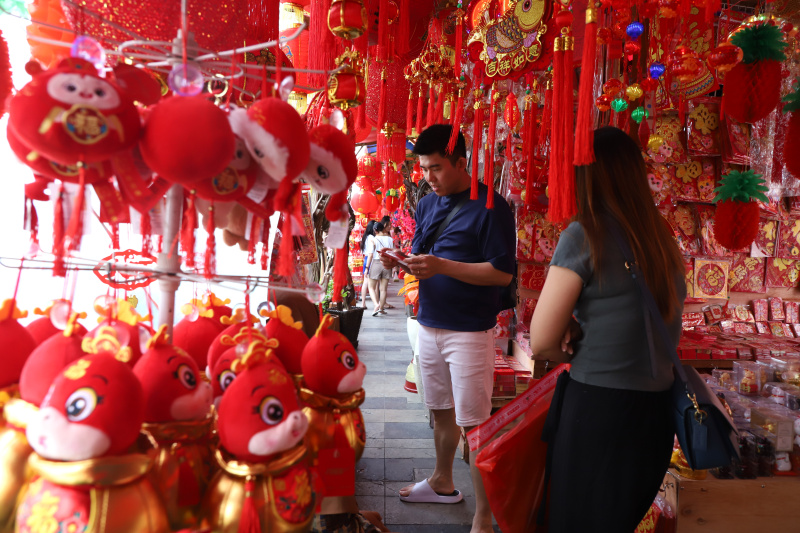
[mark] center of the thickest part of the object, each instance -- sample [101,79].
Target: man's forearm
[483,274]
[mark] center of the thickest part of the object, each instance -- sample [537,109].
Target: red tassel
[584,128]
[403,27]
[209,263]
[459,43]
[555,131]
[561,183]
[262,21]
[251,242]
[286,252]
[249,522]
[361,118]
[187,230]
[59,267]
[322,42]
[477,137]
[75,227]
[383,99]
[265,223]
[547,114]
[456,116]
[527,147]
[439,113]
[410,112]
[431,106]
[340,270]
[420,104]
[491,140]
[146,230]
[383,32]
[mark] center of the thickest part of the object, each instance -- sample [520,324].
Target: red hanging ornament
[584,128]
[491,141]
[477,137]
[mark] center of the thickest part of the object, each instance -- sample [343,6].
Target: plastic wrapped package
[703,128]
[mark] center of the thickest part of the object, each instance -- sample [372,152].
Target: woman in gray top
[614,436]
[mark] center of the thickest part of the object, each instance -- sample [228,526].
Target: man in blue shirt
[461,276]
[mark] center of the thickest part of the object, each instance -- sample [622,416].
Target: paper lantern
[684,64]
[346,88]
[724,57]
[396,92]
[48,12]
[363,201]
[347,19]
[295,50]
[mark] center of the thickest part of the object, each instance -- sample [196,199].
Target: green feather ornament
[741,187]
[764,41]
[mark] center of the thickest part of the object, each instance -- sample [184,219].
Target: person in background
[378,275]
[369,233]
[615,432]
[398,244]
[461,276]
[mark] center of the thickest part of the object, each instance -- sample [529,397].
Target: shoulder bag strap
[652,314]
[426,248]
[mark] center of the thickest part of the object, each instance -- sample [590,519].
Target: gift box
[711,278]
[713,313]
[681,219]
[747,274]
[536,237]
[703,128]
[532,276]
[669,128]
[782,272]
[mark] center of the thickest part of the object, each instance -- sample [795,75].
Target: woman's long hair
[616,185]
[369,230]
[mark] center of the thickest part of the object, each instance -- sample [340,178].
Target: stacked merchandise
[511,378]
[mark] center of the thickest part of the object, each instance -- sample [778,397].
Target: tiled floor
[399,438]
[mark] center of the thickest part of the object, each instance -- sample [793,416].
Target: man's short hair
[434,140]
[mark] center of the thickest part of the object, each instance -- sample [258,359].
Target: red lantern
[346,88]
[649,84]
[684,64]
[347,19]
[511,114]
[365,183]
[295,50]
[612,87]
[724,57]
[392,200]
[364,202]
[603,102]
[632,48]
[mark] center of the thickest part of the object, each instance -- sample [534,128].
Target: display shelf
[733,505]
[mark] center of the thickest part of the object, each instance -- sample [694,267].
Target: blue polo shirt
[474,235]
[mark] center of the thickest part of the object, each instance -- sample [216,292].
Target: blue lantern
[634,30]
[657,70]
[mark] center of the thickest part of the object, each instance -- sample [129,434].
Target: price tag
[337,234]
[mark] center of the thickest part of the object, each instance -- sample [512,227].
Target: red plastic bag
[512,466]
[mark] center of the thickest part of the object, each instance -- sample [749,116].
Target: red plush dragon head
[330,363]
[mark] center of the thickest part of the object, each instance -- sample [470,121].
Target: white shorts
[457,370]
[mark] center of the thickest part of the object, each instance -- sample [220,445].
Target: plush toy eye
[70,87]
[186,376]
[271,410]
[100,93]
[239,154]
[259,153]
[225,379]
[322,172]
[348,360]
[81,404]
[526,6]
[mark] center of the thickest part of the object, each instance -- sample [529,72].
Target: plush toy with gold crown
[85,479]
[265,484]
[223,373]
[332,394]
[52,320]
[177,423]
[124,323]
[291,338]
[40,369]
[238,321]
[197,330]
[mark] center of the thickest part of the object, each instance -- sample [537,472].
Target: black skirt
[611,451]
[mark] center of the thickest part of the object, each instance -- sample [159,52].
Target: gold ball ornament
[654,143]
[634,92]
